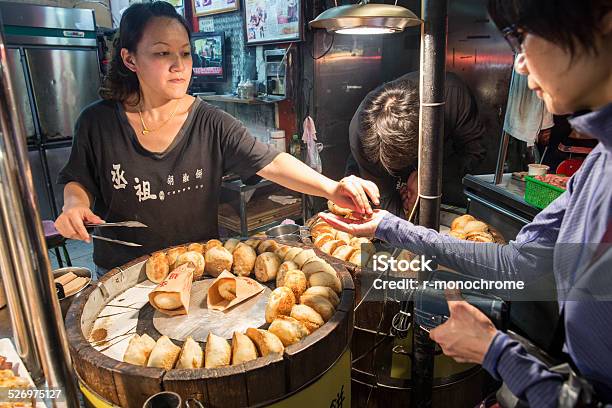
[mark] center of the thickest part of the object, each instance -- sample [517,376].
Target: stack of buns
[469,228]
[341,245]
[163,353]
[306,296]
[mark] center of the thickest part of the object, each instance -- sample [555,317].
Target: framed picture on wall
[208,7]
[269,21]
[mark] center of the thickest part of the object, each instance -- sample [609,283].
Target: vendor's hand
[410,192]
[466,335]
[365,227]
[352,192]
[71,223]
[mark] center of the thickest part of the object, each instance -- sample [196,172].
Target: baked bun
[308,316]
[196,247]
[478,236]
[322,239]
[243,349]
[269,245]
[265,341]
[282,250]
[322,229]
[164,354]
[315,265]
[266,266]
[457,234]
[196,258]
[288,330]
[280,303]
[253,242]
[292,253]
[325,292]
[363,244]
[191,355]
[304,256]
[157,267]
[336,209]
[282,270]
[211,244]
[227,288]
[231,244]
[325,279]
[343,252]
[330,247]
[244,260]
[296,281]
[139,349]
[218,259]
[168,300]
[359,258]
[459,222]
[475,226]
[218,352]
[174,253]
[343,236]
[320,304]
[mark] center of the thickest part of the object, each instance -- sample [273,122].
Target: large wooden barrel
[263,381]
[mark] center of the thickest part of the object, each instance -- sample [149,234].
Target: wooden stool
[54,241]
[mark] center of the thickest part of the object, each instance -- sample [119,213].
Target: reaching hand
[352,192]
[365,227]
[71,223]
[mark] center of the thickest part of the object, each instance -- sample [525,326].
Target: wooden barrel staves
[258,382]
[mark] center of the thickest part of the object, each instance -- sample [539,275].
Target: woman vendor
[150,152]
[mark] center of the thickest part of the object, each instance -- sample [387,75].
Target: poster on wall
[272,21]
[208,7]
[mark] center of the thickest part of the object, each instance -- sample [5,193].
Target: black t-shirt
[463,150]
[176,193]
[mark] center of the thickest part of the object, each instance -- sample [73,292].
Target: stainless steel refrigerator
[55,71]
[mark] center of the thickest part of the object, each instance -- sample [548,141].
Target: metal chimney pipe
[36,317]
[431,147]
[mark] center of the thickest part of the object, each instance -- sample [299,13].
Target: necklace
[146,130]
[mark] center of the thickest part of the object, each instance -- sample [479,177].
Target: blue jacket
[566,234]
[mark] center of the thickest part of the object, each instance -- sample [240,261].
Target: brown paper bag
[245,288]
[176,289]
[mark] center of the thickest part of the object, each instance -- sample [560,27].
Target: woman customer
[565,48]
[150,152]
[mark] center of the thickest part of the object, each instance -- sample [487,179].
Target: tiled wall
[241,64]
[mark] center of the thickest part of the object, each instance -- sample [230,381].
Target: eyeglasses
[515,38]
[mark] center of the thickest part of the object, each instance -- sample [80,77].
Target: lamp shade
[368,18]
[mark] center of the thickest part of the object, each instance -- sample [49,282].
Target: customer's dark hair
[120,83]
[564,22]
[390,127]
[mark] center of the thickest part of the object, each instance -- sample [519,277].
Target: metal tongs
[127,224]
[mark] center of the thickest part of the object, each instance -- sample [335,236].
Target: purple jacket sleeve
[522,373]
